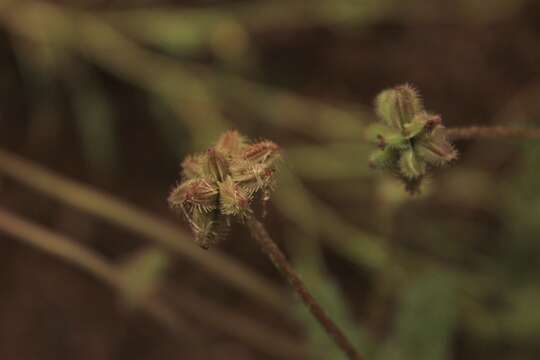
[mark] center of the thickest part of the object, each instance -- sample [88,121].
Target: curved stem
[473,132]
[279,260]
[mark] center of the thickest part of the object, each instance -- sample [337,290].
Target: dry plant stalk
[474,132]
[219,186]
[279,260]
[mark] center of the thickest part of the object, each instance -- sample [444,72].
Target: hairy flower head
[220,184]
[410,140]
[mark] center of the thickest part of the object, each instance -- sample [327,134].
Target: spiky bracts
[411,140]
[220,184]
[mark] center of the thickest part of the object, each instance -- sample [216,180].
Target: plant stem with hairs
[270,248]
[474,132]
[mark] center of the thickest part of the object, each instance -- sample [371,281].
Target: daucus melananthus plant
[219,186]
[410,140]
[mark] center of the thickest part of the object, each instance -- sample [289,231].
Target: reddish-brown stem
[279,260]
[473,132]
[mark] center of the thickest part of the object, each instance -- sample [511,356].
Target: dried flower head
[411,141]
[220,184]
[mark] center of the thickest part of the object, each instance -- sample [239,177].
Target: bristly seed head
[413,140]
[221,184]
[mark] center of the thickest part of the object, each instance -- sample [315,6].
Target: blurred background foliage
[101,99]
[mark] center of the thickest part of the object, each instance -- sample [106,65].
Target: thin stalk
[270,248]
[474,132]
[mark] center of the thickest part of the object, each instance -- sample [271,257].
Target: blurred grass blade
[307,260]
[95,122]
[317,218]
[143,273]
[117,212]
[335,161]
[87,35]
[260,337]
[70,251]
[426,320]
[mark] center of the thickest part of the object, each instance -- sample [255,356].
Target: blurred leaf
[142,274]
[171,129]
[95,122]
[317,218]
[187,32]
[334,161]
[308,262]
[425,321]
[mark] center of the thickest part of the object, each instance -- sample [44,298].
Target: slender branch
[492,132]
[279,260]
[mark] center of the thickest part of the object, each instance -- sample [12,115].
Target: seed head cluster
[221,184]
[412,141]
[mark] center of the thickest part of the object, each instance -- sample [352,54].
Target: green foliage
[308,262]
[425,321]
[96,124]
[142,274]
[411,141]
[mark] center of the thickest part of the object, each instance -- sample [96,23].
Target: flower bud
[436,149]
[231,143]
[220,185]
[383,159]
[264,152]
[398,106]
[216,166]
[232,199]
[195,194]
[414,140]
[192,166]
[411,166]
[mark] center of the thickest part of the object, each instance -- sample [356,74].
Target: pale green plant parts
[411,140]
[220,185]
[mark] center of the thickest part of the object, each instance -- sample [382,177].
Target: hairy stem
[279,260]
[473,132]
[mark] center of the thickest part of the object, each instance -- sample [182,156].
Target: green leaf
[309,263]
[142,274]
[425,322]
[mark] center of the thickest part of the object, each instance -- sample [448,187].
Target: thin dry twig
[279,260]
[492,132]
